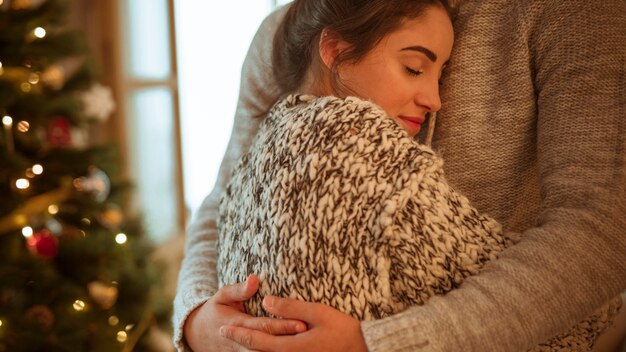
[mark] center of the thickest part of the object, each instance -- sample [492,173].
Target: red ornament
[44,244]
[59,133]
[40,315]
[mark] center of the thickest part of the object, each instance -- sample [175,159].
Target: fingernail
[300,327]
[268,302]
[222,331]
[246,284]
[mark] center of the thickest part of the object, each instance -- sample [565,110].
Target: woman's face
[401,73]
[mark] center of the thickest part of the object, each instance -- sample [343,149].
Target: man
[533,133]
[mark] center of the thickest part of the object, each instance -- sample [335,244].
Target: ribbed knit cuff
[184,303]
[407,331]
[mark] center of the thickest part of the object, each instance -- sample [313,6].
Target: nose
[428,96]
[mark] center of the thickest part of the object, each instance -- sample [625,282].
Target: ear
[330,46]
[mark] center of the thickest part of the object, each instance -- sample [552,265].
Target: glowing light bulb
[53,209]
[23,126]
[37,169]
[25,87]
[27,232]
[79,305]
[122,336]
[129,327]
[22,183]
[113,320]
[121,238]
[0,320]
[33,78]
[39,32]
[7,120]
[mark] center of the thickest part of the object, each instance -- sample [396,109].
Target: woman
[335,202]
[531,95]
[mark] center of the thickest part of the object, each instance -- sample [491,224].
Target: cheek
[382,91]
[388,88]
[394,97]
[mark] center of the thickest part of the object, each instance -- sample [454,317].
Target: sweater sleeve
[197,280]
[573,260]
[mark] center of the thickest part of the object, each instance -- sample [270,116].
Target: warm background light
[27,231]
[39,32]
[121,238]
[22,183]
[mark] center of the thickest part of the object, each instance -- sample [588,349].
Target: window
[151,108]
[181,63]
[213,39]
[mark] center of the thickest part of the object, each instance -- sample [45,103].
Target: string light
[23,126]
[122,336]
[85,221]
[0,320]
[1,69]
[113,320]
[129,327]
[79,305]
[53,209]
[33,78]
[121,238]
[7,121]
[25,86]
[39,32]
[37,169]
[22,183]
[27,232]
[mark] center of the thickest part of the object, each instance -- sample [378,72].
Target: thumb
[294,309]
[238,292]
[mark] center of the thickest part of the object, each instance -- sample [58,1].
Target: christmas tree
[74,273]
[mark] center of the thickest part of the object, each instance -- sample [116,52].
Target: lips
[412,124]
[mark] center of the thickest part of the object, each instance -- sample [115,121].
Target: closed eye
[413,72]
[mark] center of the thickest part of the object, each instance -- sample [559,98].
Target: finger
[238,292]
[247,338]
[291,309]
[274,326]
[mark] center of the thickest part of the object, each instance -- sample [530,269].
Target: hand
[329,330]
[201,328]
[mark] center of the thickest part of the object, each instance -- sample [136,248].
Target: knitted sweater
[334,203]
[533,132]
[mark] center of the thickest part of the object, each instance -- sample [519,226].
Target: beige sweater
[532,131]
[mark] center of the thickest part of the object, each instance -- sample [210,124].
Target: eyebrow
[429,54]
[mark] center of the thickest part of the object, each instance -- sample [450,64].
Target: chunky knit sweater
[533,132]
[334,203]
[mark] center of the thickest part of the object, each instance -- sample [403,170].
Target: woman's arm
[198,276]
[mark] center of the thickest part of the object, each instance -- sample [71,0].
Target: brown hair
[360,23]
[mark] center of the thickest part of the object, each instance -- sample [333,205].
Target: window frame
[124,85]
